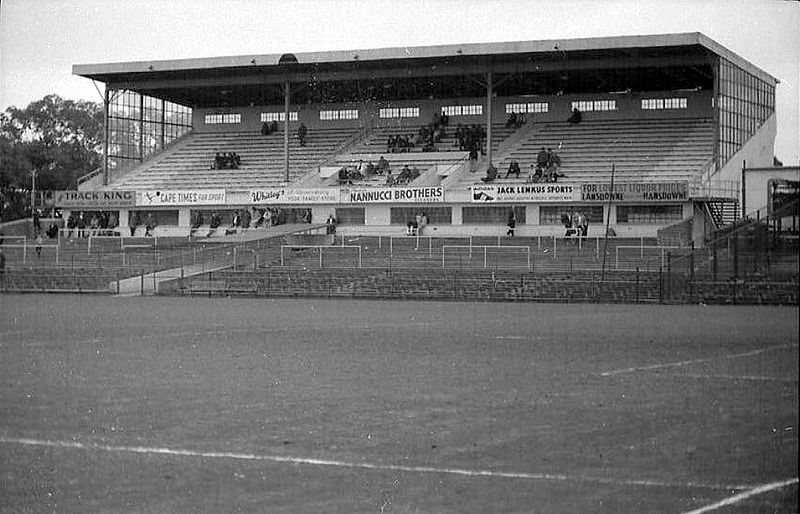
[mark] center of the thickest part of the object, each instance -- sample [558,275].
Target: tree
[59,139]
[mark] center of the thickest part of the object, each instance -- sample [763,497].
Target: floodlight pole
[33,190]
[608,224]
[608,214]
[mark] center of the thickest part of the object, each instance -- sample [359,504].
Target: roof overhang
[106,72]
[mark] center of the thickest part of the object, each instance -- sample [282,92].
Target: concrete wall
[757,152]
[756,180]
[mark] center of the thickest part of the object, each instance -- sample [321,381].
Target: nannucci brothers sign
[635,192]
[429,194]
[90,199]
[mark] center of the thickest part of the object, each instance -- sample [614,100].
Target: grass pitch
[238,405]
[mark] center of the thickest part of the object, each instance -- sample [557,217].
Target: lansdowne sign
[644,192]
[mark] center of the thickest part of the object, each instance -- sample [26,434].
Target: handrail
[358,136]
[88,176]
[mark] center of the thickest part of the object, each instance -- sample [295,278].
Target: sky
[40,40]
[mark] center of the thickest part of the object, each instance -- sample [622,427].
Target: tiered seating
[376,142]
[189,164]
[652,149]
[375,146]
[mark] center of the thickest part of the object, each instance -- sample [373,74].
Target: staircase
[722,212]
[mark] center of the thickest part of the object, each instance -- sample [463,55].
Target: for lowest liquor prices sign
[635,192]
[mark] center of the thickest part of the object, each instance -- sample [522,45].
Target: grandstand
[667,124]
[674,112]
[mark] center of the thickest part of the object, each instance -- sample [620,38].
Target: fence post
[669,275]
[637,284]
[714,261]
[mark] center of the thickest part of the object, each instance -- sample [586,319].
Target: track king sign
[90,199]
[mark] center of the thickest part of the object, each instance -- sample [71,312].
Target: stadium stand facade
[666,124]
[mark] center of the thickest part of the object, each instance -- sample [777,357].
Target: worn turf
[403,406]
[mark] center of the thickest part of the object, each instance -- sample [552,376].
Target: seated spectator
[149,225]
[512,120]
[566,219]
[536,175]
[198,222]
[411,227]
[362,168]
[541,160]
[266,129]
[491,174]
[344,176]
[302,132]
[218,162]
[513,168]
[576,116]
[52,231]
[407,175]
[260,219]
[354,174]
[383,165]
[214,224]
[390,180]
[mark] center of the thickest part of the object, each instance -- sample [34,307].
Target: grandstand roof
[162,78]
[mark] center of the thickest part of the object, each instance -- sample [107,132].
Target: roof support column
[141,127]
[106,111]
[286,131]
[489,117]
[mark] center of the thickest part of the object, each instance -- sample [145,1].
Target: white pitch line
[694,361]
[743,496]
[366,465]
[735,377]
